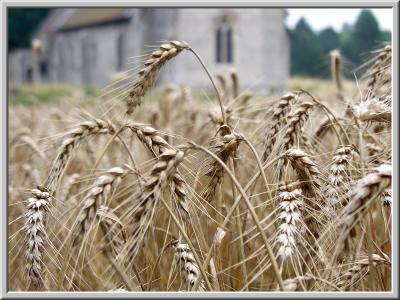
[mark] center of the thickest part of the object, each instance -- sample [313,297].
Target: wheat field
[152,189]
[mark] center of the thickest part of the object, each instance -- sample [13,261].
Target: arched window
[224,43]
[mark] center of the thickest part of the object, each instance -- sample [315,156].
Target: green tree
[364,37]
[305,51]
[21,24]
[328,40]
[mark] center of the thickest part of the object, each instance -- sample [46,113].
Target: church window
[224,43]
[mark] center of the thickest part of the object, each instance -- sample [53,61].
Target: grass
[29,94]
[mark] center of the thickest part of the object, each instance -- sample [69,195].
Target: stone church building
[89,46]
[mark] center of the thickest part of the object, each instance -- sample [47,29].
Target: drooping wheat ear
[380,73]
[336,68]
[358,270]
[290,206]
[113,228]
[338,177]
[295,125]
[224,148]
[35,234]
[98,195]
[70,143]
[374,110]
[278,118]
[366,190]
[153,140]
[160,176]
[65,190]
[185,260]
[148,74]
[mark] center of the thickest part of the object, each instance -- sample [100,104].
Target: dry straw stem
[252,212]
[290,205]
[186,261]
[33,145]
[278,117]
[101,190]
[115,233]
[35,234]
[113,228]
[366,190]
[70,142]
[330,115]
[152,67]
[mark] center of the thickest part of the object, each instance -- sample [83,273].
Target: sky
[320,18]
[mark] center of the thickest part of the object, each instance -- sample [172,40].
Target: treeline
[21,25]
[309,50]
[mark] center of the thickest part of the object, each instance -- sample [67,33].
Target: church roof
[85,17]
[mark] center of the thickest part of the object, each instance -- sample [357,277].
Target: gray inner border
[225,3]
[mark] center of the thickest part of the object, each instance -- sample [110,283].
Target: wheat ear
[278,117]
[290,205]
[70,142]
[185,259]
[160,176]
[338,176]
[367,189]
[102,188]
[295,125]
[377,74]
[35,234]
[224,149]
[156,144]
[149,72]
